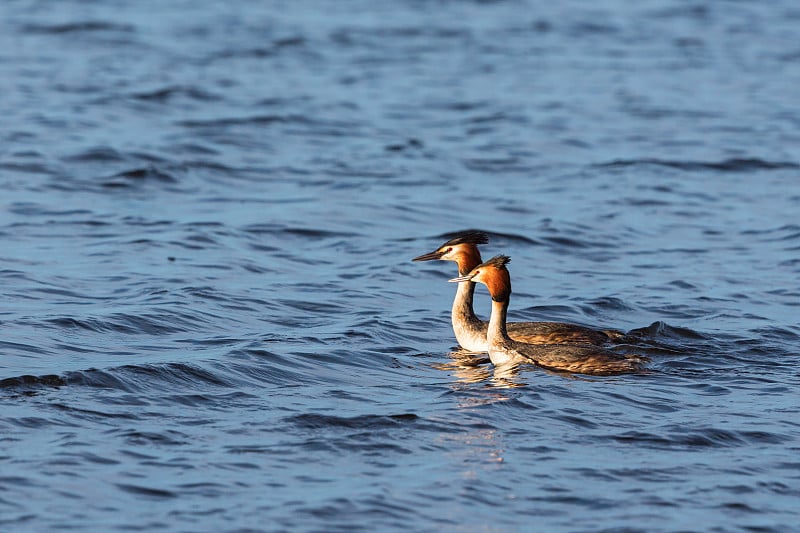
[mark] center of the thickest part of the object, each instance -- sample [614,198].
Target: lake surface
[210,320]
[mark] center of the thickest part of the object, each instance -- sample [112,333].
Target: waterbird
[503,350]
[470,331]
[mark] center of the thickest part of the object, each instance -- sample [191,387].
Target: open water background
[209,319]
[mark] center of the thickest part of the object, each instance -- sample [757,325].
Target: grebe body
[503,350]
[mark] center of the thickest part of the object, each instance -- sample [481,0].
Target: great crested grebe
[577,358]
[470,331]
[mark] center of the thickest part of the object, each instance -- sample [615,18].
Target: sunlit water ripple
[211,321]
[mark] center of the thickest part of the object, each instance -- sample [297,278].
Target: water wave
[727,165]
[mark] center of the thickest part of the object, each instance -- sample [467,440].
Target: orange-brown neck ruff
[468,257]
[499,284]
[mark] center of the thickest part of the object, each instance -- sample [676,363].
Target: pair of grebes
[551,345]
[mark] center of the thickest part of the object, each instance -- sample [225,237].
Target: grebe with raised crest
[503,350]
[470,331]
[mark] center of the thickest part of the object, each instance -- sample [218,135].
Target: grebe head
[494,274]
[463,249]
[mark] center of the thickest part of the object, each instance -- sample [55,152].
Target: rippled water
[210,320]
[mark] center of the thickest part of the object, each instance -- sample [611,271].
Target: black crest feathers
[468,237]
[499,261]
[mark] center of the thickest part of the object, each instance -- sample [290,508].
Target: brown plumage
[577,358]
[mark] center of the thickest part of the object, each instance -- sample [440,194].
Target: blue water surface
[210,320]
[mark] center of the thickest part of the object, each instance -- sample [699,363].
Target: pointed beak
[459,279]
[429,257]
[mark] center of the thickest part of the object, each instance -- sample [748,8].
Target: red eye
[448,250]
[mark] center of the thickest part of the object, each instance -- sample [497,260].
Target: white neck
[462,305]
[497,323]
[500,346]
[469,330]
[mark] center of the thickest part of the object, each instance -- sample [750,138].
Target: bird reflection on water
[469,367]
